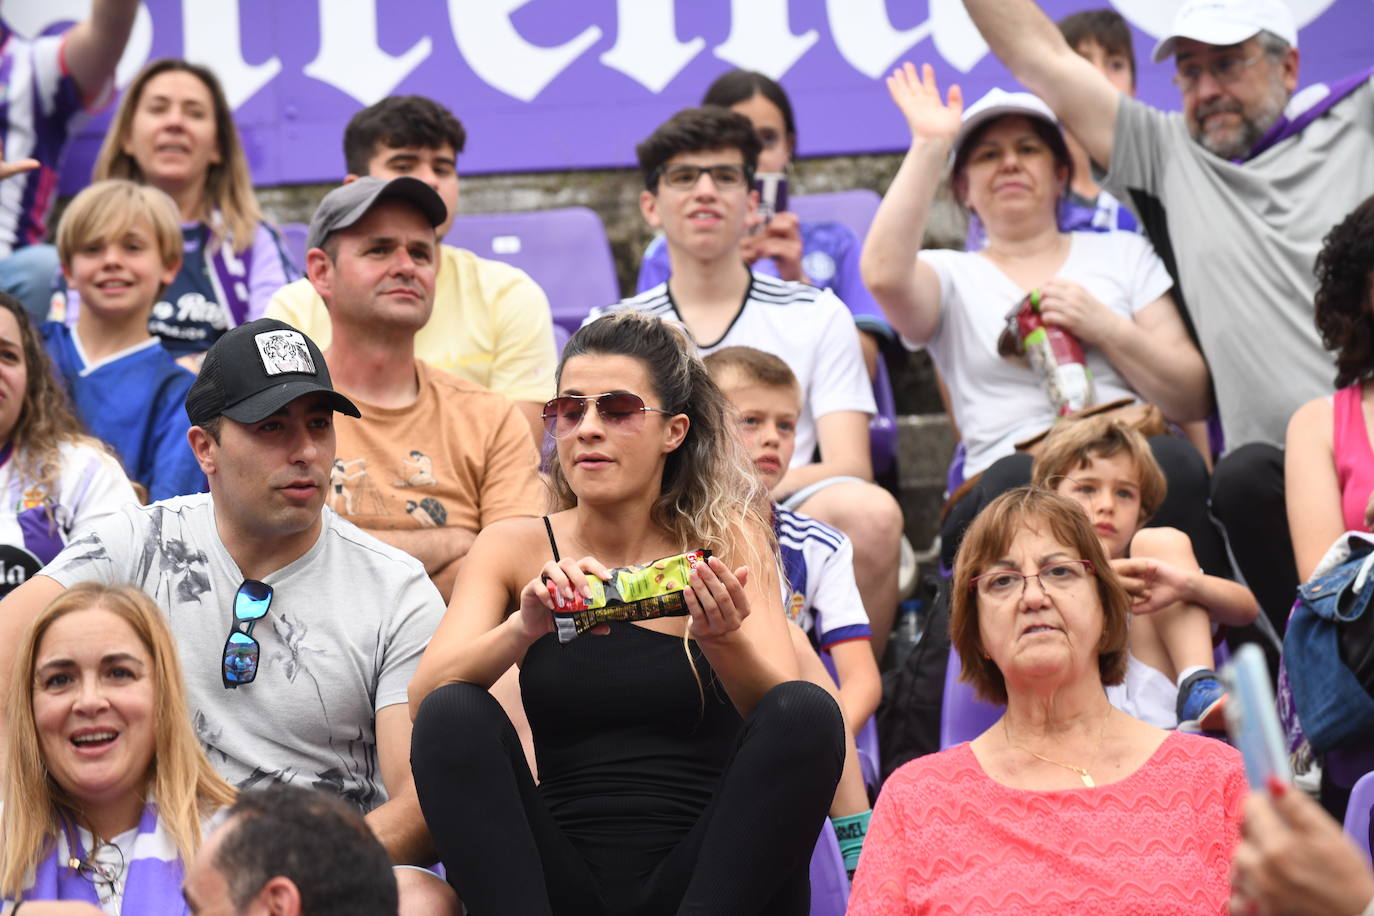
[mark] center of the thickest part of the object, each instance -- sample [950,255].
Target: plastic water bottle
[907,633]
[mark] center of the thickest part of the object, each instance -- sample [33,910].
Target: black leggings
[749,853]
[1184,506]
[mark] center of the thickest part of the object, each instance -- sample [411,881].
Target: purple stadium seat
[963,716]
[565,251]
[1356,815]
[882,429]
[867,740]
[854,209]
[829,880]
[294,235]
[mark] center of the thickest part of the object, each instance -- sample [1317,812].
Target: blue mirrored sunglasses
[241,650]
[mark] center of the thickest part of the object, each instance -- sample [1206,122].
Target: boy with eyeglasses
[298,632]
[697,169]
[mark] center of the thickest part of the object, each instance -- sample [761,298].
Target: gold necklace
[1082,772]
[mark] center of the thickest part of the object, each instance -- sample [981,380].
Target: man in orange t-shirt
[434,458]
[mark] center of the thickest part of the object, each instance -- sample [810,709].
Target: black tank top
[625,741]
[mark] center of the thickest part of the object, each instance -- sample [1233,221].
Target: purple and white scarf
[151,881]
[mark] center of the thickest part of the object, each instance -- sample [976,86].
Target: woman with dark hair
[1066,804]
[1011,171]
[683,768]
[174,130]
[823,253]
[54,479]
[1329,464]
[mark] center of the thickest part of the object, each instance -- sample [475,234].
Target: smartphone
[1252,717]
[772,188]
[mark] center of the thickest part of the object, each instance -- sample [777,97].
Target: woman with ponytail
[683,767]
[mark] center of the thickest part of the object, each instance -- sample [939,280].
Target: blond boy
[819,592]
[1106,466]
[120,244]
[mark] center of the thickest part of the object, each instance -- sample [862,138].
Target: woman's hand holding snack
[1071,307]
[559,586]
[716,600]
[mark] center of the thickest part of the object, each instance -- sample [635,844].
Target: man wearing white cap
[1250,178]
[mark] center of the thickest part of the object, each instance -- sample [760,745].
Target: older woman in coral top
[1066,804]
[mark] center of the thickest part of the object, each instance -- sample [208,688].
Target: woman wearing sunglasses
[107,792]
[1066,804]
[682,766]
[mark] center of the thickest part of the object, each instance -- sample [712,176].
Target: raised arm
[1032,48]
[1312,490]
[94,46]
[906,288]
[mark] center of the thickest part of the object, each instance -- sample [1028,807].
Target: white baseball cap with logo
[1228,22]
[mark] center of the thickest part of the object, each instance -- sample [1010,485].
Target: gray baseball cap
[346,204]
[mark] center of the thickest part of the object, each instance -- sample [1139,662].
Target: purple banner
[570,84]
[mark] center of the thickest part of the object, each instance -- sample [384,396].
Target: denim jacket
[1334,708]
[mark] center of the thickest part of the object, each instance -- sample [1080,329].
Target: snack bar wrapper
[633,593]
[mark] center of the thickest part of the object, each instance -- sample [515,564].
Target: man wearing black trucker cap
[298,633]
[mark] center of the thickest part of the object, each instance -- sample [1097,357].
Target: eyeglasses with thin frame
[1225,69]
[241,651]
[620,411]
[1059,576]
[683,177]
[104,865]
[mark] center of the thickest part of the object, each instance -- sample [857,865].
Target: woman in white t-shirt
[1011,171]
[54,479]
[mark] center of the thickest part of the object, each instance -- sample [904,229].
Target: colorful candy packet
[633,593]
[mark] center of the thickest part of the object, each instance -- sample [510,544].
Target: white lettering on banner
[956,37]
[210,36]
[351,60]
[646,48]
[761,39]
[865,36]
[501,56]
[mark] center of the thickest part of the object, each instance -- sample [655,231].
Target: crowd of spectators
[335,587]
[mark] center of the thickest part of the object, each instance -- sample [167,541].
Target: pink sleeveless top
[1354,458]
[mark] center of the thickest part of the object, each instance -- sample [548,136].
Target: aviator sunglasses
[619,411]
[241,650]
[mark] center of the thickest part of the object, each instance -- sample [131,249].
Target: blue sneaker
[1201,702]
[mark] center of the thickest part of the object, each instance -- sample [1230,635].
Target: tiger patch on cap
[284,351]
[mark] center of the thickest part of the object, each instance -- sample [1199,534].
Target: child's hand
[1153,584]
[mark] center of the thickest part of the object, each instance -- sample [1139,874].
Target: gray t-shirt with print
[1245,237]
[341,639]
